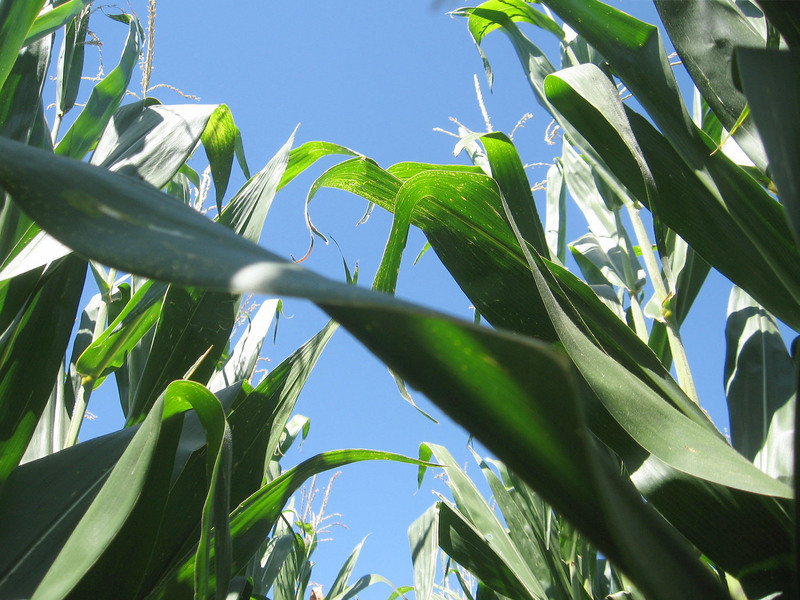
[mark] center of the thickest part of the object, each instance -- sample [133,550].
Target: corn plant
[577,402]
[526,550]
[176,503]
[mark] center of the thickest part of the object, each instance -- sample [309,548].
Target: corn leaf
[16,19]
[150,141]
[105,97]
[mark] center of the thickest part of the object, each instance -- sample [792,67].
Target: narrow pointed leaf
[704,33]
[70,62]
[423,537]
[104,99]
[219,141]
[252,520]
[341,583]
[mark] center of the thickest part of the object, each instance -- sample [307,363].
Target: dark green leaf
[769,79]
[20,102]
[133,482]
[705,33]
[29,369]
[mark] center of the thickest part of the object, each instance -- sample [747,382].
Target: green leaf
[340,584]
[654,424]
[252,520]
[556,215]
[16,19]
[28,371]
[180,396]
[150,141]
[105,97]
[20,103]
[306,155]
[70,61]
[108,351]
[705,34]
[760,387]
[770,85]
[106,517]
[503,13]
[423,537]
[53,18]
[219,140]
[509,173]
[50,496]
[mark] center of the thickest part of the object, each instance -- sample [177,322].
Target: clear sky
[377,77]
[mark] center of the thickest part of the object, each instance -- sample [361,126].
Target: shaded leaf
[760,387]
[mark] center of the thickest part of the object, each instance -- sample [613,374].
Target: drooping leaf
[307,154]
[149,141]
[219,140]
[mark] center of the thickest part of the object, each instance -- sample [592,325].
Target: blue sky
[378,79]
